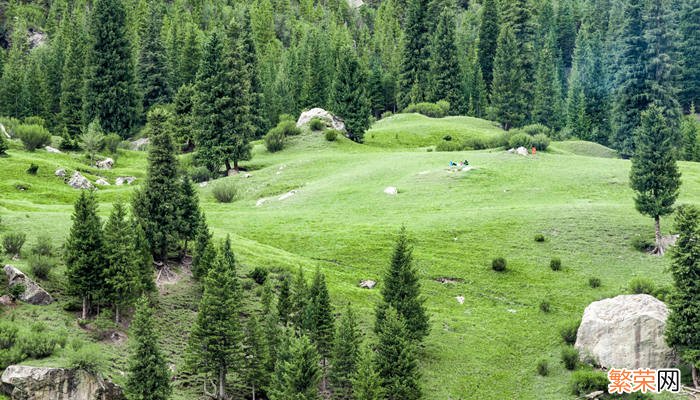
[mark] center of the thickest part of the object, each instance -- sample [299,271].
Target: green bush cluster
[569,356]
[317,124]
[542,368]
[224,191]
[472,143]
[88,358]
[555,264]
[539,237]
[594,282]
[540,142]
[569,331]
[17,290]
[111,142]
[33,136]
[642,243]
[331,135]
[259,275]
[545,306]
[12,242]
[8,335]
[33,169]
[288,128]
[520,139]
[499,264]
[584,382]
[432,110]
[641,285]
[536,129]
[43,246]
[41,266]
[199,174]
[275,138]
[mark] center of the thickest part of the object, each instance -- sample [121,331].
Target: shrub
[444,106]
[476,143]
[447,138]
[199,174]
[104,325]
[286,117]
[10,123]
[520,140]
[536,129]
[43,246]
[642,243]
[663,293]
[274,140]
[641,285]
[386,114]
[41,266]
[499,264]
[33,169]
[3,145]
[316,124]
[33,136]
[37,345]
[331,135]
[224,191]
[11,356]
[542,368]
[449,146]
[259,275]
[289,128]
[584,382]
[594,282]
[112,142]
[13,242]
[92,141]
[16,291]
[569,356]
[545,306]
[569,331]
[88,358]
[540,142]
[428,109]
[539,237]
[8,334]
[555,264]
[34,120]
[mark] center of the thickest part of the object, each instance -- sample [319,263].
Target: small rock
[368,284]
[102,182]
[33,293]
[391,191]
[54,150]
[260,202]
[60,172]
[247,175]
[203,184]
[5,300]
[511,150]
[594,395]
[124,179]
[460,299]
[510,310]
[287,195]
[78,181]
[139,144]
[521,151]
[107,163]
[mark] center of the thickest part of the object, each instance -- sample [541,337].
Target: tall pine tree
[507,91]
[346,352]
[445,74]
[396,361]
[350,99]
[153,71]
[488,39]
[415,66]
[120,275]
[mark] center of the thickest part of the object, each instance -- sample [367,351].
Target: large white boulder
[330,120]
[107,163]
[626,331]
[78,181]
[33,293]
[41,383]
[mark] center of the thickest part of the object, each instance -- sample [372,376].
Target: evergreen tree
[546,108]
[188,213]
[184,121]
[566,29]
[203,253]
[445,74]
[284,302]
[256,102]
[507,93]
[148,377]
[488,39]
[153,73]
[256,357]
[215,344]
[271,328]
[517,14]
[110,91]
[346,351]
[12,103]
[299,301]
[3,145]
[690,129]
[297,375]
[350,99]
[84,252]
[143,259]
[120,274]
[690,52]
[366,382]
[395,361]
[415,66]
[35,86]
[190,57]
[401,290]
[654,175]
[71,101]
[320,320]
[156,204]
[683,326]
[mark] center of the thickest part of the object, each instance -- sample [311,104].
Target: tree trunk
[228,166]
[696,377]
[253,391]
[116,314]
[235,165]
[84,307]
[659,249]
[221,395]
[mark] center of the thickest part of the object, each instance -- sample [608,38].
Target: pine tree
[414,67]
[690,129]
[507,94]
[120,277]
[654,175]
[346,351]
[683,325]
[284,302]
[156,204]
[143,259]
[185,122]
[12,103]
[270,327]
[690,52]
[256,102]
[71,101]
[111,93]
[297,375]
[148,377]
[401,290]
[445,74]
[84,252]
[203,253]
[153,72]
[188,213]
[256,357]
[546,108]
[190,57]
[215,344]
[488,39]
[566,28]
[350,100]
[320,320]
[366,382]
[299,301]
[395,360]
[517,14]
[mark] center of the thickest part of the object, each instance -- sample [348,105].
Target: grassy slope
[415,130]
[341,221]
[583,148]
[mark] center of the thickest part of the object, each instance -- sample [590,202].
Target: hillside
[339,220]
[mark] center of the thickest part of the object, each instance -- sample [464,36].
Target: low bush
[112,142]
[10,124]
[444,106]
[569,356]
[540,142]
[316,124]
[545,306]
[259,275]
[569,331]
[8,335]
[34,120]
[224,191]
[499,264]
[11,356]
[663,293]
[41,266]
[92,141]
[542,368]
[43,246]
[449,146]
[520,140]
[37,345]
[641,285]
[536,129]
[539,237]
[386,114]
[286,117]
[476,143]
[331,135]
[16,291]
[199,174]
[274,140]
[642,243]
[447,138]
[288,128]
[594,282]
[432,110]
[3,145]
[33,169]
[555,264]
[33,136]
[584,382]
[103,325]
[12,242]
[88,357]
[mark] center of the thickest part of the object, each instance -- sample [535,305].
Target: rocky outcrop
[139,144]
[78,181]
[329,119]
[521,151]
[102,182]
[124,180]
[53,150]
[368,284]
[625,332]
[42,383]
[33,293]
[107,163]
[61,172]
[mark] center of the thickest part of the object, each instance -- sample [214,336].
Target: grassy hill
[583,148]
[339,220]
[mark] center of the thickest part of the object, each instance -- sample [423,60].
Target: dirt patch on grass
[446,280]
